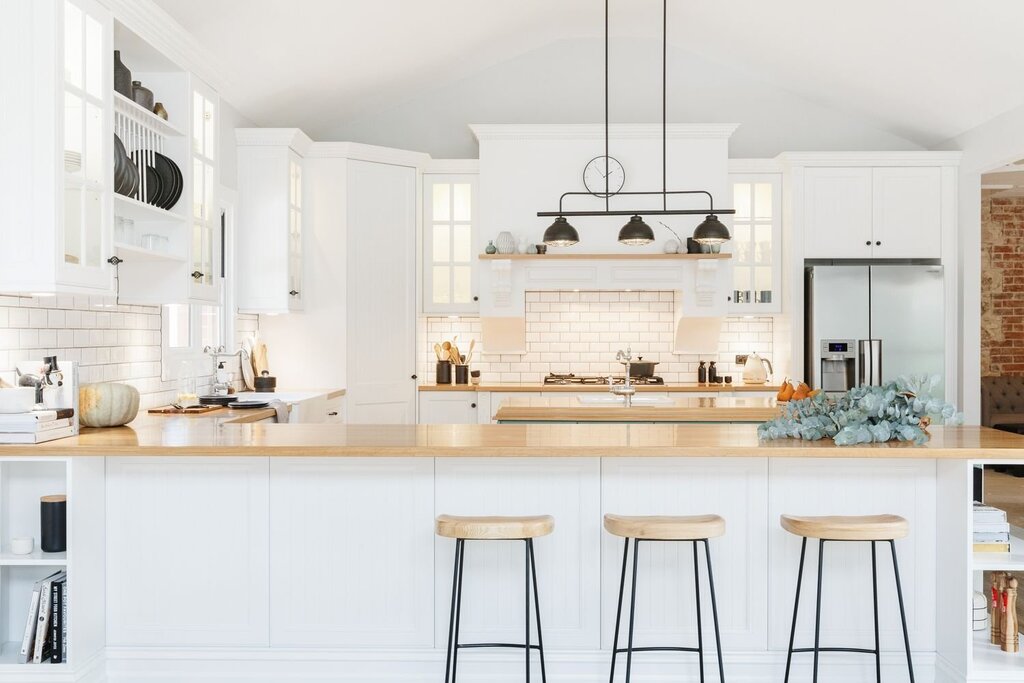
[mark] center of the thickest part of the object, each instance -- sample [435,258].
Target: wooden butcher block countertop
[560,408]
[584,388]
[188,437]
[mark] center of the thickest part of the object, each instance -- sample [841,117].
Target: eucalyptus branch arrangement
[898,411]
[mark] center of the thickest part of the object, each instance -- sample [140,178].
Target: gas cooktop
[553,378]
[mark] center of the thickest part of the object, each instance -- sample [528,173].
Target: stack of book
[37,426]
[46,631]
[991,530]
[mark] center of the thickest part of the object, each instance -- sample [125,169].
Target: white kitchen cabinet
[756,243]
[881,213]
[56,180]
[204,249]
[270,217]
[335,410]
[906,212]
[448,407]
[449,256]
[837,213]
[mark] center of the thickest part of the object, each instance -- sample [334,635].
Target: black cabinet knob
[472,405]
[868,243]
[476,298]
[414,376]
[293,292]
[878,244]
[197,275]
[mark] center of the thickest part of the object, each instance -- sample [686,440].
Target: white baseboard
[264,665]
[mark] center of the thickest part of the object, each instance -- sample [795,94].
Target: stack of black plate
[164,182]
[217,400]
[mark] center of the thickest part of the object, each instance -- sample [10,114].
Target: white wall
[563,83]
[307,350]
[986,147]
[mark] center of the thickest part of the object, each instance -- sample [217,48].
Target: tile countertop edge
[200,438]
[773,388]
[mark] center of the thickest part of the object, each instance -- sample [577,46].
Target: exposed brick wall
[1002,285]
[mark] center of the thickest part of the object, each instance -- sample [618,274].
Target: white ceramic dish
[17,400]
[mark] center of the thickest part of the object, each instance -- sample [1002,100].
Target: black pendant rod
[664,104]
[607,184]
[664,212]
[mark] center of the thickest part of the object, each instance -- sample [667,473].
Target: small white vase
[505,242]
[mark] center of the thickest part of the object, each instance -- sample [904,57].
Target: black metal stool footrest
[519,646]
[858,650]
[658,649]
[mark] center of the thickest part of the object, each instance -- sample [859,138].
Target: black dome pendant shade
[561,234]
[636,232]
[711,231]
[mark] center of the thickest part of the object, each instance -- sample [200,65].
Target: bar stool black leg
[458,604]
[451,619]
[536,609]
[714,612]
[817,610]
[796,608]
[874,589]
[618,610]
[700,632]
[632,609]
[903,614]
[527,649]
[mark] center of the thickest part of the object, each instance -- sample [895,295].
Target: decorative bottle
[490,248]
[122,76]
[712,373]
[142,95]
[702,373]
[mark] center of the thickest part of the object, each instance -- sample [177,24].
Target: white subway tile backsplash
[579,332]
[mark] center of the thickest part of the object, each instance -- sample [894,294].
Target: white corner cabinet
[450,245]
[270,213]
[895,211]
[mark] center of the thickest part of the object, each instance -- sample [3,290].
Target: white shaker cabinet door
[351,552]
[907,212]
[186,551]
[837,213]
[448,407]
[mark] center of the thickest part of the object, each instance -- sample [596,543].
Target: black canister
[702,373]
[444,372]
[462,374]
[712,373]
[53,523]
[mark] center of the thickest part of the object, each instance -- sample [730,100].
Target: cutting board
[192,410]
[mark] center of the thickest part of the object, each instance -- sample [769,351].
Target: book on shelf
[57,611]
[33,426]
[991,547]
[37,437]
[29,639]
[991,527]
[64,621]
[994,537]
[42,647]
[986,514]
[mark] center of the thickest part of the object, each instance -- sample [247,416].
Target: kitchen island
[266,551]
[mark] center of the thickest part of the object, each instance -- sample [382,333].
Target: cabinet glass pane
[762,278]
[462,238]
[209,130]
[92,156]
[72,123]
[763,244]
[441,285]
[297,189]
[208,176]
[72,45]
[197,247]
[94,58]
[462,199]
[197,123]
[440,202]
[73,226]
[741,243]
[198,187]
[442,244]
[741,200]
[461,277]
[92,227]
[763,201]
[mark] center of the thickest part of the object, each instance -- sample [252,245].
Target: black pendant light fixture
[636,231]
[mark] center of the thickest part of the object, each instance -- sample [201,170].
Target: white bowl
[17,399]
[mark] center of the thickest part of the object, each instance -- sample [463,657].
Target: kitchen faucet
[625,390]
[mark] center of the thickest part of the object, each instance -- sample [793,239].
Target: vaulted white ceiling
[925,70]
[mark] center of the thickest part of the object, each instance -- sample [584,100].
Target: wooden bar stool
[464,529]
[871,528]
[694,529]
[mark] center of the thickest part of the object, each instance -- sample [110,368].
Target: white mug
[22,545]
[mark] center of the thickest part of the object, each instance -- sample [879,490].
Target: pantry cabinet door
[907,212]
[837,213]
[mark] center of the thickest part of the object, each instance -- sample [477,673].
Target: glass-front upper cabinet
[449,256]
[294,231]
[204,252]
[756,243]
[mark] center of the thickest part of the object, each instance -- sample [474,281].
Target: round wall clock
[594,176]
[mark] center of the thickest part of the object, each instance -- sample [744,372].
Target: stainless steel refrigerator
[900,305]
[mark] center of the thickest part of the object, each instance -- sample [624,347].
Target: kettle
[756,369]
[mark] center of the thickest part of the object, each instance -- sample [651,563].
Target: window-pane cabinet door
[294,232]
[757,243]
[449,254]
[87,158]
[204,249]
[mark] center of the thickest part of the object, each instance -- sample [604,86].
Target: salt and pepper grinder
[1010,627]
[702,374]
[997,608]
[712,373]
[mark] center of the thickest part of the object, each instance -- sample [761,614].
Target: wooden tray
[192,410]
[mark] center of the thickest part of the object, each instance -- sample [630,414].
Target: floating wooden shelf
[600,257]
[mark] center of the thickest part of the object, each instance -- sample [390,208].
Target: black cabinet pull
[197,275]
[293,292]
[476,298]
[878,244]
[472,405]
[414,376]
[115,260]
[868,243]
[333,413]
